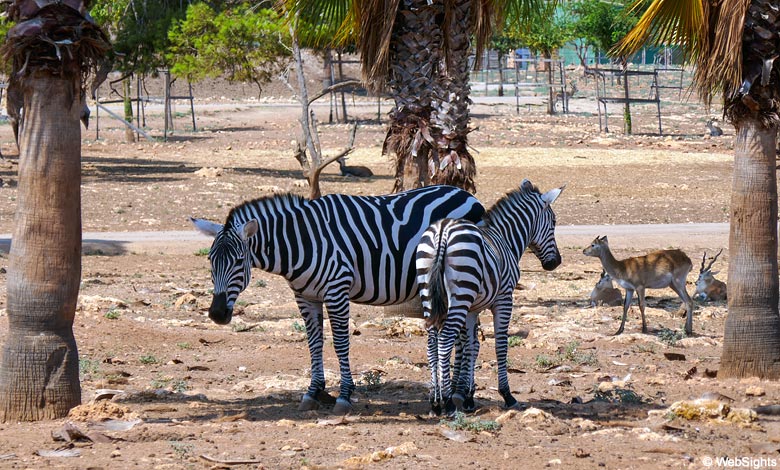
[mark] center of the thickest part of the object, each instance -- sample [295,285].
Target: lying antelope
[707,287]
[605,293]
[656,270]
[359,171]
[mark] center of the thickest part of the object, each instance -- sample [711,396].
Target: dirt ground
[193,393]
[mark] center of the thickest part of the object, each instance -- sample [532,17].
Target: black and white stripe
[464,268]
[331,250]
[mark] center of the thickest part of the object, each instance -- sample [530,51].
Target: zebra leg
[502,314]
[434,397]
[472,342]
[312,317]
[447,338]
[338,313]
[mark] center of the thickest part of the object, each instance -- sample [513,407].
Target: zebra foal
[464,268]
[331,250]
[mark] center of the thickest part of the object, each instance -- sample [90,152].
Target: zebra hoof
[342,407]
[469,406]
[449,408]
[458,400]
[325,398]
[308,403]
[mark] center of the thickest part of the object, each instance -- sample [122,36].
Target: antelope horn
[714,258]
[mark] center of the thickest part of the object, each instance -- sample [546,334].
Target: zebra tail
[437,286]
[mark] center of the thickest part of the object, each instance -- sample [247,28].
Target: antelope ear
[249,229]
[714,272]
[206,227]
[604,239]
[550,196]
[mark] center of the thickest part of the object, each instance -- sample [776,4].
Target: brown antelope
[605,293]
[656,270]
[707,287]
[360,171]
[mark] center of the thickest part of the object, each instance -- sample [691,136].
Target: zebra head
[542,237]
[231,264]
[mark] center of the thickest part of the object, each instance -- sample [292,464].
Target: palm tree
[419,50]
[734,44]
[51,47]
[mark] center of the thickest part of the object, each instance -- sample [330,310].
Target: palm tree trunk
[751,342]
[413,66]
[39,374]
[453,164]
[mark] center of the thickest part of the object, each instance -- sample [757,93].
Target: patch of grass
[543,361]
[202,252]
[184,345]
[112,314]
[299,327]
[148,359]
[242,303]
[88,366]
[572,354]
[183,450]
[624,396]
[568,353]
[515,340]
[261,283]
[644,348]
[670,337]
[462,423]
[372,379]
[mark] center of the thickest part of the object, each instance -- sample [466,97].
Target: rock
[755,391]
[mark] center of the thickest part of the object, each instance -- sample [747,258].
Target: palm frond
[709,33]
[377,19]
[665,22]
[719,65]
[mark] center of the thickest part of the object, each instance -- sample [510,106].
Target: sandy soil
[230,393]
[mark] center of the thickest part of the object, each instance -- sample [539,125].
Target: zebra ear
[250,229]
[206,227]
[526,185]
[550,196]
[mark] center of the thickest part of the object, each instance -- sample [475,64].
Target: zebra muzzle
[219,311]
[551,264]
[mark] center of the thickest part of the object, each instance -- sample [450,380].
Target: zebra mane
[507,202]
[265,202]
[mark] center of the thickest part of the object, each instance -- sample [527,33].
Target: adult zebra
[464,268]
[332,250]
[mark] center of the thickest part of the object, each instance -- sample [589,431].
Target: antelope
[656,270]
[605,293]
[707,287]
[360,171]
[715,130]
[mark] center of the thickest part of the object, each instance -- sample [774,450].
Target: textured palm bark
[39,374]
[413,66]
[751,343]
[452,163]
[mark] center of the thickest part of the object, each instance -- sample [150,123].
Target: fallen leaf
[456,436]
[58,453]
[116,425]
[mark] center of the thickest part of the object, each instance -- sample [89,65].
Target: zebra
[331,250]
[464,268]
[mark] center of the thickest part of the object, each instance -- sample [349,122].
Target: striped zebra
[464,268]
[332,250]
